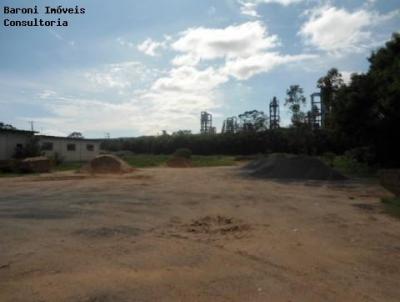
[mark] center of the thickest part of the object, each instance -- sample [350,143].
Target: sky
[131,68]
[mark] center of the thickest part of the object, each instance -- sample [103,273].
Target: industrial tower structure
[274,116]
[317,113]
[230,125]
[206,123]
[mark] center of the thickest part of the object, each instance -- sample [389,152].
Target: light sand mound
[179,162]
[283,166]
[107,164]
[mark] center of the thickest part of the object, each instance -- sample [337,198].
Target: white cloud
[150,47]
[249,7]
[339,31]
[120,76]
[231,42]
[245,68]
[346,76]
[245,48]
[188,78]
[172,101]
[85,115]
[130,95]
[123,42]
[47,93]
[282,2]
[181,95]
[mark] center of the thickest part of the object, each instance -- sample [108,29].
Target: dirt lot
[197,234]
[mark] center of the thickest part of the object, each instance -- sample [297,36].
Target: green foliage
[295,99]
[364,155]
[392,206]
[329,158]
[7,126]
[152,160]
[146,160]
[349,166]
[76,135]
[68,166]
[212,161]
[253,121]
[183,153]
[288,140]
[181,132]
[57,159]
[9,174]
[330,85]
[9,167]
[367,111]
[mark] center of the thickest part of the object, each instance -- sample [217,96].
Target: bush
[329,157]
[364,155]
[183,153]
[350,166]
[392,206]
[9,166]
[57,159]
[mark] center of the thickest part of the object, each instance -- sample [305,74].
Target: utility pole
[32,125]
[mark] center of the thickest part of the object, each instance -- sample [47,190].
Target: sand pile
[179,162]
[107,164]
[283,166]
[39,164]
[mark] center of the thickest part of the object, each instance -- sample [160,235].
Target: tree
[385,75]
[366,113]
[182,132]
[253,121]
[7,126]
[76,135]
[295,99]
[329,85]
[384,90]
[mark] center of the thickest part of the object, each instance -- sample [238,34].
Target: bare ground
[199,234]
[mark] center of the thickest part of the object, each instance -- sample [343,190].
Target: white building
[11,140]
[68,149]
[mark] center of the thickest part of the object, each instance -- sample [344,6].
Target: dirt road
[200,234]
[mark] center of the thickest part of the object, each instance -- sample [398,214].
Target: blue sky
[130,68]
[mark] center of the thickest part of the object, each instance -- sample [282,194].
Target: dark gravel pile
[283,166]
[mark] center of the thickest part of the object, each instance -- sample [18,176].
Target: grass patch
[68,166]
[350,167]
[212,160]
[392,206]
[156,160]
[10,174]
[152,160]
[146,160]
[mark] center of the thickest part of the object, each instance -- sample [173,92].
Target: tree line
[362,116]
